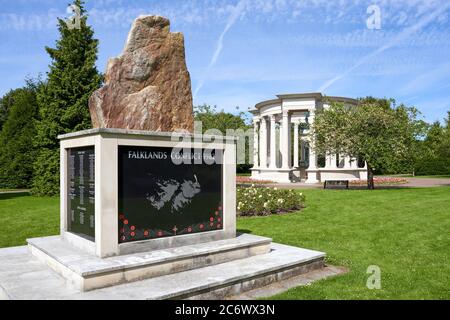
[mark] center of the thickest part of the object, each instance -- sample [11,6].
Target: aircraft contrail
[400,37]
[219,46]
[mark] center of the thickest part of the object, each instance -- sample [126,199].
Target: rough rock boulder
[148,86]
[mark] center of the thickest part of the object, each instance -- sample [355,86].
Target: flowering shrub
[381,181]
[248,181]
[265,201]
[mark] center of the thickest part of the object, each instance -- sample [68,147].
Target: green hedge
[433,167]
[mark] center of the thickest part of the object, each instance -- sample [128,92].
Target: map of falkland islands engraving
[178,194]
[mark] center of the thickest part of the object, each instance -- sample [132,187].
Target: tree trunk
[370,182]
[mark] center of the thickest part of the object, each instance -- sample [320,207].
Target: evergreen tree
[63,101]
[17,153]
[5,104]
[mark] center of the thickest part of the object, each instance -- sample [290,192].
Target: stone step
[85,272]
[22,276]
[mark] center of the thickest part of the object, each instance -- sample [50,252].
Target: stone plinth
[86,272]
[210,282]
[97,165]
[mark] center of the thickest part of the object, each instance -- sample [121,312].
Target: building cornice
[311,95]
[267,103]
[315,95]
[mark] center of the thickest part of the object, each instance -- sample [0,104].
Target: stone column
[256,143]
[312,169]
[285,141]
[273,142]
[302,150]
[347,162]
[296,150]
[263,143]
[352,163]
[331,161]
[312,157]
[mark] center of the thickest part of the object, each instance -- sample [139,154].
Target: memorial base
[51,269]
[85,272]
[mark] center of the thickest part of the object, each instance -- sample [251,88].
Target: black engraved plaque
[160,198]
[81,192]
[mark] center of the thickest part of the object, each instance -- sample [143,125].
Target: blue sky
[240,52]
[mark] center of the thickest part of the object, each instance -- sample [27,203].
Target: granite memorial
[148,86]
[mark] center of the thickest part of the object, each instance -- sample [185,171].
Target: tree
[435,151]
[5,105]
[212,119]
[445,148]
[376,131]
[17,153]
[63,101]
[220,120]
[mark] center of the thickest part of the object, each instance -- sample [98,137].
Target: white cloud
[111,13]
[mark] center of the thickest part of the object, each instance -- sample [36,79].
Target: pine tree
[63,101]
[5,105]
[17,154]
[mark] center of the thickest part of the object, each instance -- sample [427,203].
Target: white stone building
[283,151]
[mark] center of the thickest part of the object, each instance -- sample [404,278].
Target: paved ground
[284,285]
[25,277]
[14,191]
[427,182]
[412,183]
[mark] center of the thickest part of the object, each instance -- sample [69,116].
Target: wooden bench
[336,184]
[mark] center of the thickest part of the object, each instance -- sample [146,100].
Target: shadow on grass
[241,231]
[13,195]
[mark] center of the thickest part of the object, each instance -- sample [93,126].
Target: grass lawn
[23,216]
[405,232]
[244,174]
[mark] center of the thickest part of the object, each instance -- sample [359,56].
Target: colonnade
[267,151]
